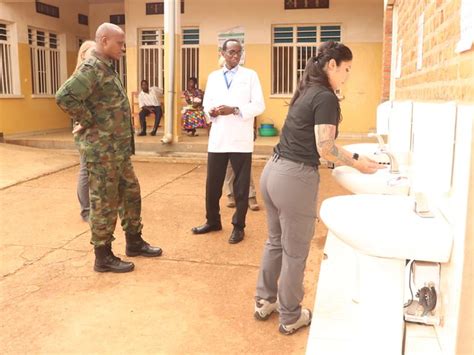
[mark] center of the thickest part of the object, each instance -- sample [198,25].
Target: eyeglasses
[234,53]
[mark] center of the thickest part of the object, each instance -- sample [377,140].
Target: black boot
[105,260]
[137,246]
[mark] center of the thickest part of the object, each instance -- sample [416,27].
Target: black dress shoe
[141,134]
[237,236]
[206,228]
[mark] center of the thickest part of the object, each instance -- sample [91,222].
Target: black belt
[277,157]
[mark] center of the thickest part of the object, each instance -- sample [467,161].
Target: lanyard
[226,81]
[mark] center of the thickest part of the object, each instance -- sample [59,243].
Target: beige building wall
[100,13]
[361,30]
[23,112]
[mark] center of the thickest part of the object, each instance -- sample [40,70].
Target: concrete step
[62,139]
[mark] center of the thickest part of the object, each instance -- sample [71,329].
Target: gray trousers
[229,182]
[83,188]
[290,192]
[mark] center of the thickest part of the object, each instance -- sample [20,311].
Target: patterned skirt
[194,119]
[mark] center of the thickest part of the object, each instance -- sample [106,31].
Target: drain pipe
[170,25]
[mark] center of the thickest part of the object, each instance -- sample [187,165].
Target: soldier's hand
[77,129]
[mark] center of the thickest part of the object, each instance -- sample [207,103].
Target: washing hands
[367,166]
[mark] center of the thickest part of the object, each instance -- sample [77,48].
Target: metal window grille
[121,68]
[46,9]
[83,19]
[158,8]
[306,4]
[189,55]
[292,47]
[117,19]
[45,61]
[6,78]
[330,33]
[151,57]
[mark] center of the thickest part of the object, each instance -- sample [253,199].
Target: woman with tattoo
[290,180]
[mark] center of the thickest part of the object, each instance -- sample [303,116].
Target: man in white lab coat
[232,100]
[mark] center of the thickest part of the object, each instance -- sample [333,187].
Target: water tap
[393,162]
[379,139]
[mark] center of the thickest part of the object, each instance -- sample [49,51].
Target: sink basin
[382,182]
[386,226]
[370,150]
[383,231]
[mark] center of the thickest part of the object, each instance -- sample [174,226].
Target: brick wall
[445,75]
[387,52]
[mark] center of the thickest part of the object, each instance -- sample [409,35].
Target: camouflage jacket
[95,98]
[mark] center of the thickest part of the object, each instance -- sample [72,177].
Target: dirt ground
[196,298]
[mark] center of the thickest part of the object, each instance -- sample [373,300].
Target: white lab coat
[233,133]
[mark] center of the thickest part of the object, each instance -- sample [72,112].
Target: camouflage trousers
[113,189]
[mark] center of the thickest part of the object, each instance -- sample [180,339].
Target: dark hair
[143,81]
[224,45]
[194,80]
[315,74]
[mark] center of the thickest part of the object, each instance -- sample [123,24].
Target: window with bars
[6,78]
[120,67]
[151,57]
[158,8]
[292,46]
[189,55]
[117,19]
[306,4]
[45,61]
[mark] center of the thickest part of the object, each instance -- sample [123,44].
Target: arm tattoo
[327,148]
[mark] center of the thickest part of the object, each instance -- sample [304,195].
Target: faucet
[422,207]
[393,162]
[379,139]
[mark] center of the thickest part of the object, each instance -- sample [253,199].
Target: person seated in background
[148,103]
[193,114]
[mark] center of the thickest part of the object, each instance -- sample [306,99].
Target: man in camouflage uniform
[95,98]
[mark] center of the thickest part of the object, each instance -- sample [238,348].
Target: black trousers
[216,170]
[143,113]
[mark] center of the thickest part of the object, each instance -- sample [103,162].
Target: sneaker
[264,309]
[230,201]
[303,321]
[253,205]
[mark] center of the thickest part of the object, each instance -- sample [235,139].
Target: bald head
[110,41]
[107,30]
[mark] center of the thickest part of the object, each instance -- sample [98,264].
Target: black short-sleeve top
[318,105]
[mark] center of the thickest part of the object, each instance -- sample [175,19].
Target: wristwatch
[236,111]
[355,156]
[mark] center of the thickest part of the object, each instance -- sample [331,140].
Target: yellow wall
[24,113]
[362,91]
[361,30]
[27,114]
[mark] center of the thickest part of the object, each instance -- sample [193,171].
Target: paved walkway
[197,298]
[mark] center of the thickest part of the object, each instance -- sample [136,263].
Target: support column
[172,65]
